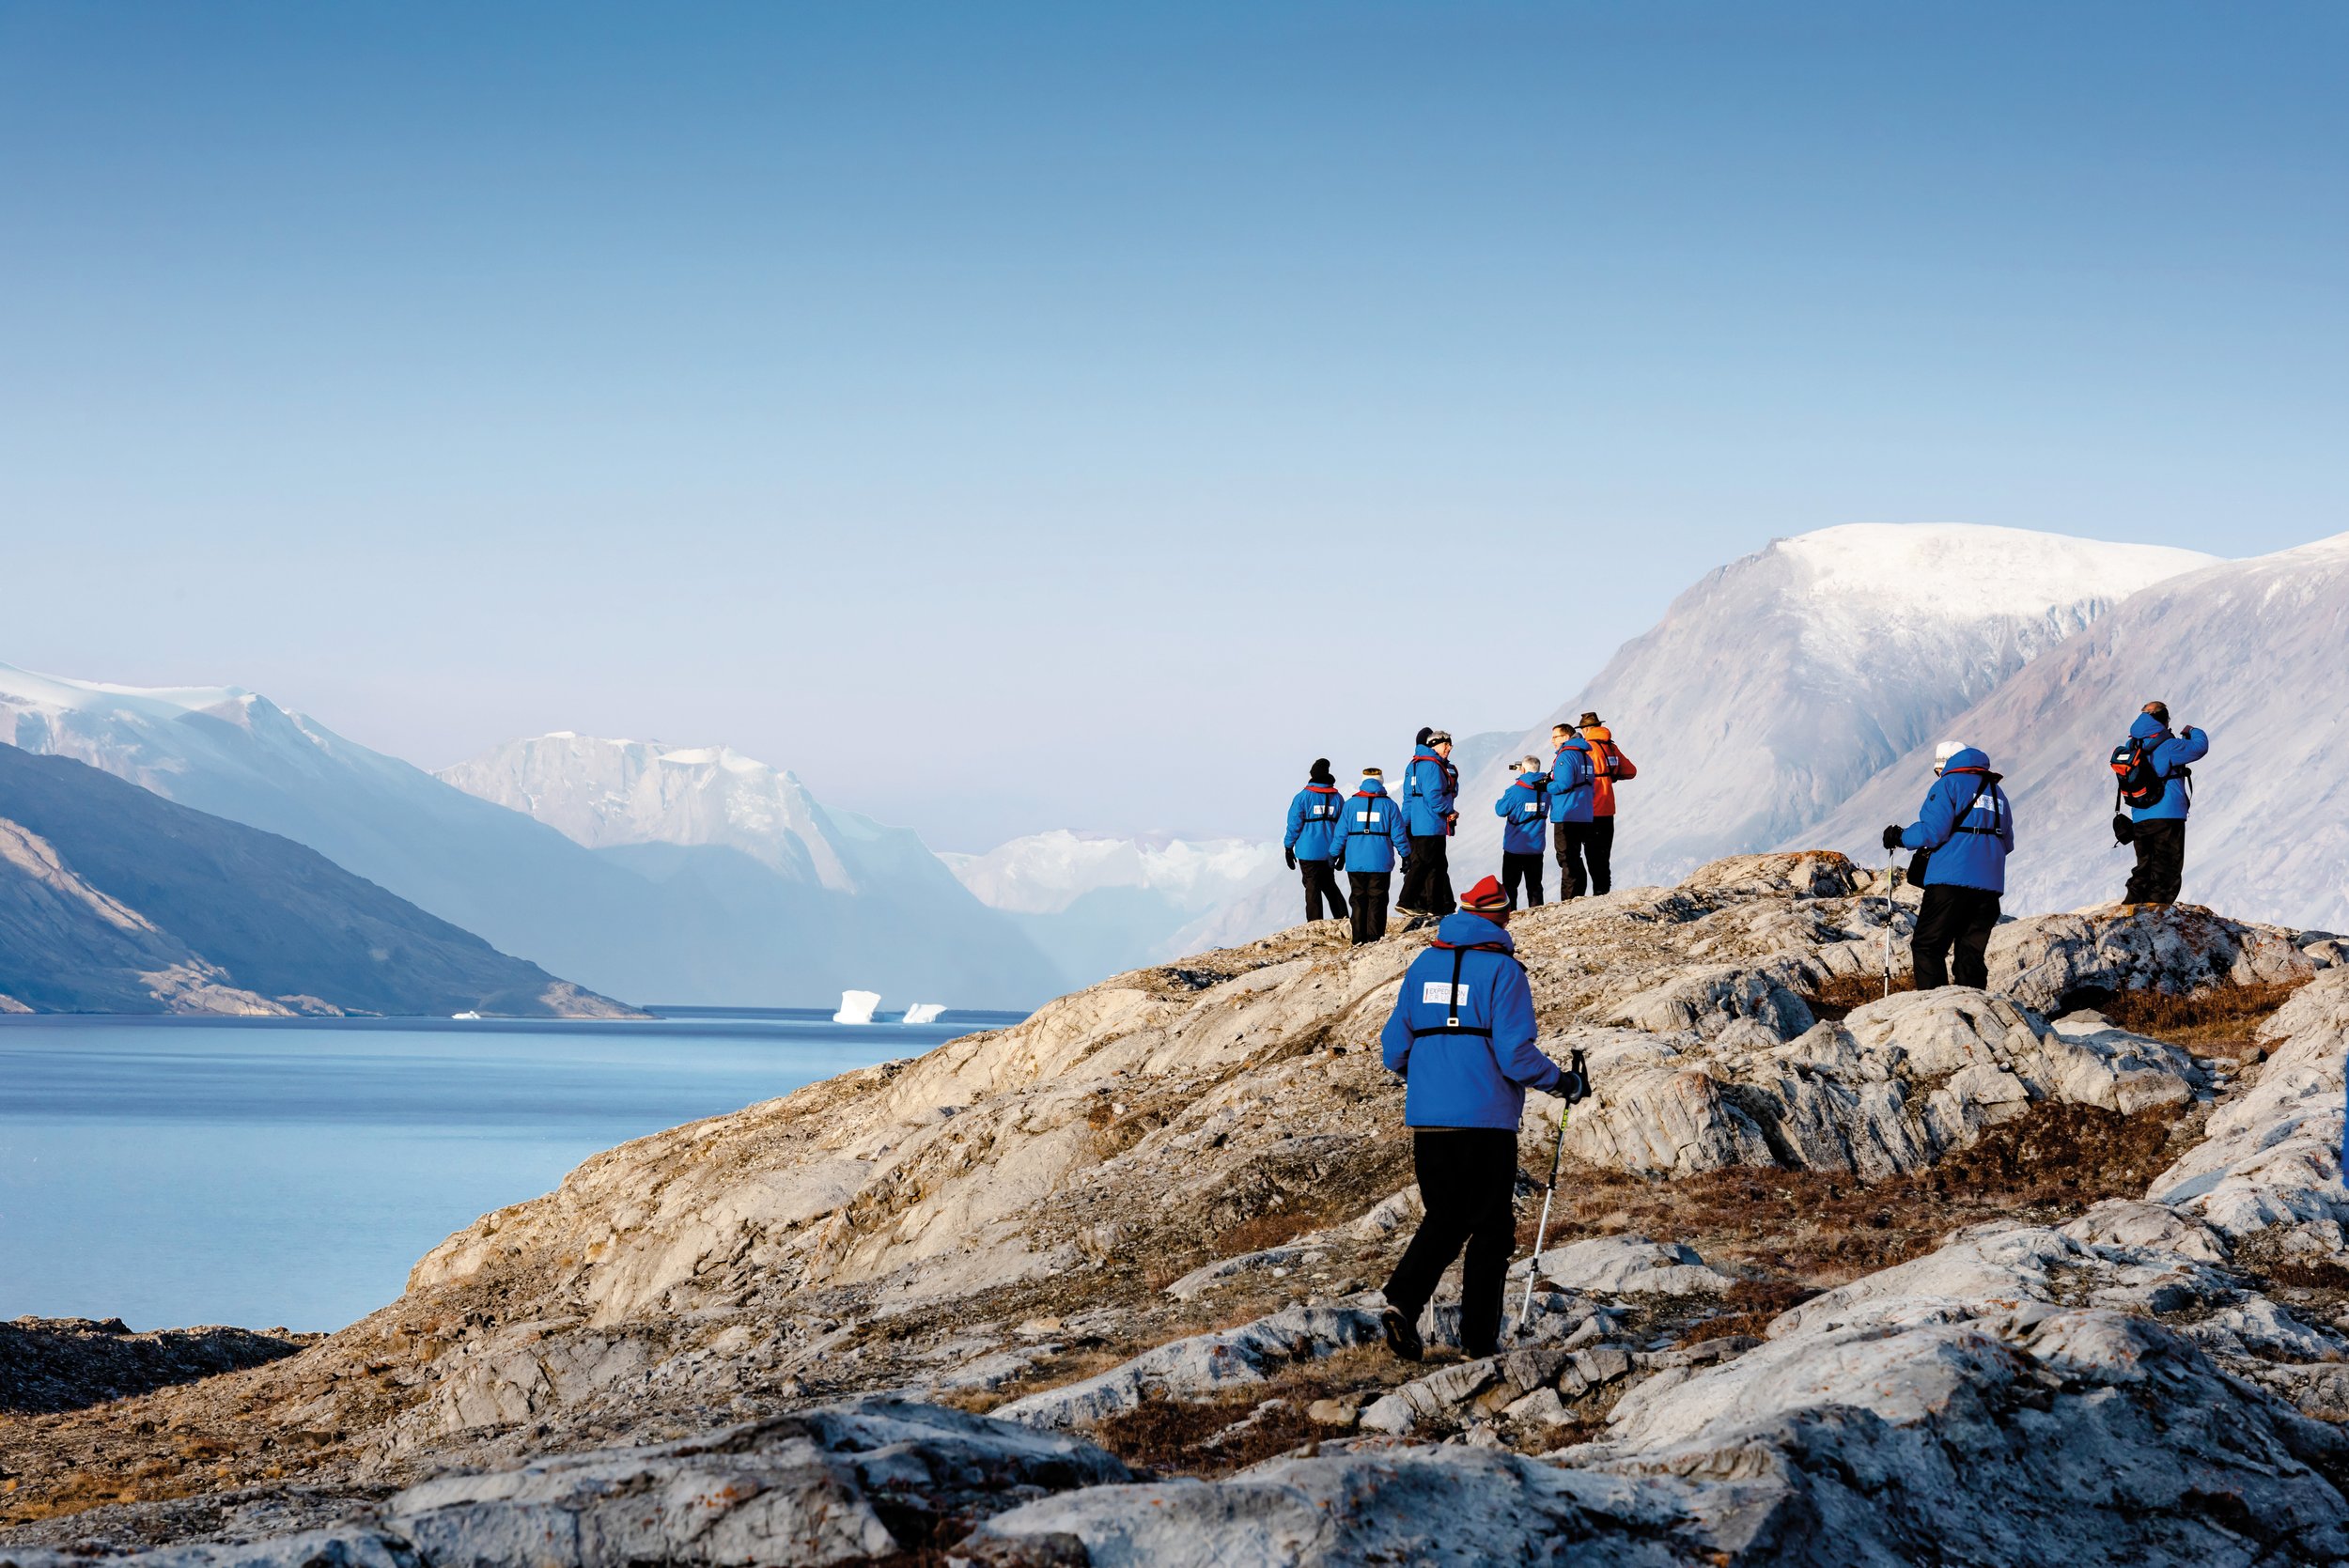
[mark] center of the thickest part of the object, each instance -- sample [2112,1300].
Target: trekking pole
[1576,1079]
[1890,856]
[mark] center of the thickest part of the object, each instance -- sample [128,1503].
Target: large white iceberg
[857,1007]
[925,1011]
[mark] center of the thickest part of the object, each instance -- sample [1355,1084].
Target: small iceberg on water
[923,1012]
[857,1007]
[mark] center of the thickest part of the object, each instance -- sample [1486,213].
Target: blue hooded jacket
[1314,831]
[1573,781]
[1431,791]
[1521,808]
[1968,853]
[1375,838]
[2166,757]
[1463,1079]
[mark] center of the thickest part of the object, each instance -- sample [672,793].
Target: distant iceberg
[857,1007]
[464,1014]
[925,1011]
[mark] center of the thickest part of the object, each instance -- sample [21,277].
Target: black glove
[1290,856]
[1892,838]
[1574,1082]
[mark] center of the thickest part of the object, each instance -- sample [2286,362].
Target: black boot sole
[1401,1337]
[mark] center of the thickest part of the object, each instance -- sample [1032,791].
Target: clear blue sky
[1017,416]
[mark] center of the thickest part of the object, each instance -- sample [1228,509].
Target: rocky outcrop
[1165,1200]
[839,1484]
[2057,962]
[64,1363]
[1889,1089]
[2273,1158]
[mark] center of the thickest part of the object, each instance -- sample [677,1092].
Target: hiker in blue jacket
[1313,838]
[1573,800]
[1374,839]
[1462,1036]
[1431,791]
[1968,826]
[2158,829]
[1523,808]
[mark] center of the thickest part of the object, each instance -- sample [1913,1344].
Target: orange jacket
[1609,764]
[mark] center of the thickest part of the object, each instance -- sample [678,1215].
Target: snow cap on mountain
[1781,682]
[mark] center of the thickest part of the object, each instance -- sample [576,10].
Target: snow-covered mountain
[1783,682]
[2253,652]
[768,879]
[659,922]
[605,793]
[523,886]
[1098,904]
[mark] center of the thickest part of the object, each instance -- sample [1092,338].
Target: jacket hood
[1529,784]
[1461,928]
[1970,756]
[1372,787]
[1573,742]
[1320,789]
[1598,732]
[2146,727]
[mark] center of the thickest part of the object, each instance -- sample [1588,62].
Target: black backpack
[2140,785]
[2138,782]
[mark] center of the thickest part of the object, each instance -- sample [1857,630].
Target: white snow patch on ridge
[33,690]
[1905,575]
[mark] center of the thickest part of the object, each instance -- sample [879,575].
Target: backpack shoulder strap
[1957,824]
[1452,1024]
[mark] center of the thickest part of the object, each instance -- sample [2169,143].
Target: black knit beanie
[1424,731]
[1321,774]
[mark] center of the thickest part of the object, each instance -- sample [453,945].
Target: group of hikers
[1462,1031]
[1372,832]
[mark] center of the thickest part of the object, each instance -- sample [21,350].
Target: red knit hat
[1484,897]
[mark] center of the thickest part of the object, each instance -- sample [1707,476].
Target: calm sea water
[288,1171]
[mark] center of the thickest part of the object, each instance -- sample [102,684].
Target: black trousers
[1321,885]
[1598,852]
[1571,839]
[2160,863]
[1949,917]
[1428,883]
[1468,1177]
[1521,868]
[1370,905]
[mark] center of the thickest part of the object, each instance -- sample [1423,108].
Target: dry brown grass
[1751,1304]
[1173,1436]
[1817,1228]
[1836,995]
[2220,1021]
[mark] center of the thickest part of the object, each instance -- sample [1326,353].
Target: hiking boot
[1402,1335]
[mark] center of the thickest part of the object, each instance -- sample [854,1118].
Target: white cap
[1947,750]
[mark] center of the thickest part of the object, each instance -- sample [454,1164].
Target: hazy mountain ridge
[114,899]
[758,878]
[601,793]
[687,926]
